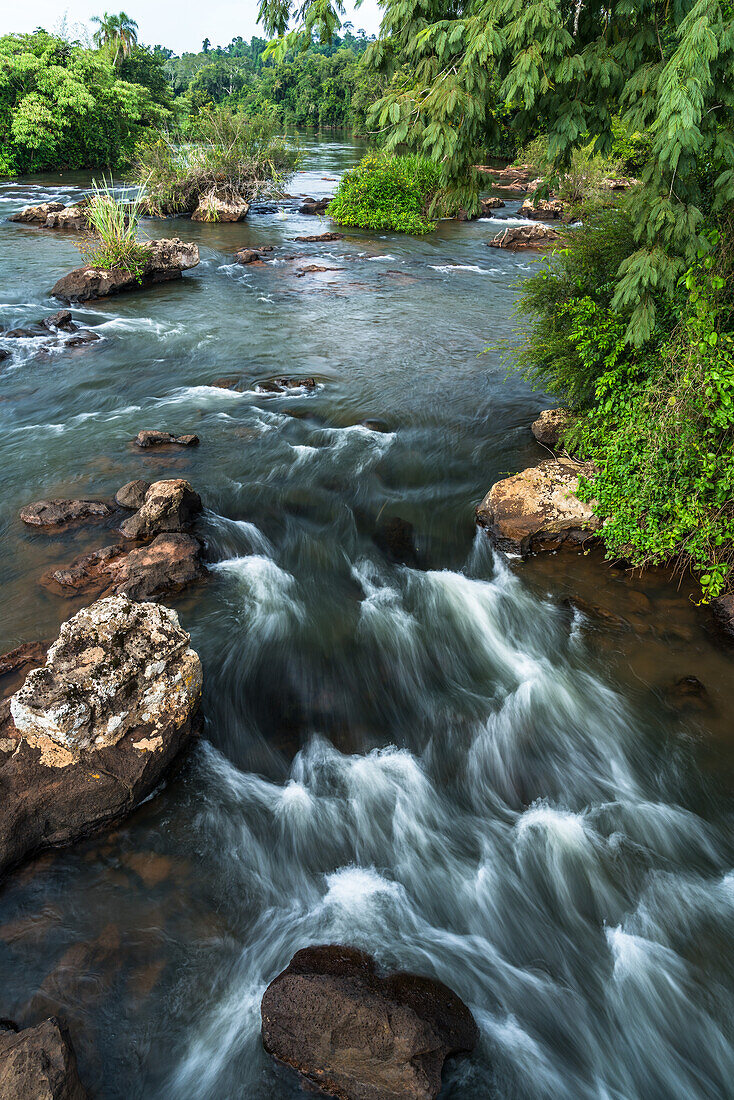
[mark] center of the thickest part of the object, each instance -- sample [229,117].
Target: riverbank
[443,764]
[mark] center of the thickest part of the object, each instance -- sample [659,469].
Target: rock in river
[60,513]
[314,206]
[162,439]
[542,209]
[220,208]
[723,612]
[169,563]
[519,237]
[92,732]
[549,427]
[132,494]
[167,259]
[169,505]
[538,509]
[38,1063]
[313,237]
[358,1035]
[253,255]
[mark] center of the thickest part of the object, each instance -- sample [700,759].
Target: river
[444,763]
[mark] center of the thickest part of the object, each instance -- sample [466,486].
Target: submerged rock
[314,206]
[57,323]
[167,259]
[169,505]
[549,427]
[394,537]
[39,1063]
[320,237]
[92,731]
[358,1035]
[168,564]
[61,512]
[253,255]
[29,653]
[282,385]
[161,439]
[220,208]
[538,509]
[519,237]
[132,494]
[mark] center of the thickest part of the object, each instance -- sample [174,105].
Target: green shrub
[657,422]
[398,193]
[220,152]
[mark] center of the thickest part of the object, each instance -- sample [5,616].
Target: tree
[206,45]
[116,32]
[567,69]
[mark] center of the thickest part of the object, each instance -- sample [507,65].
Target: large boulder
[168,564]
[549,427]
[71,217]
[92,732]
[358,1035]
[167,259]
[220,208]
[37,215]
[538,509]
[38,1063]
[545,210]
[169,505]
[62,512]
[517,238]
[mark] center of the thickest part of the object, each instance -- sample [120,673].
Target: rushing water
[443,764]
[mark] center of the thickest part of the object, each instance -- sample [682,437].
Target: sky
[162,22]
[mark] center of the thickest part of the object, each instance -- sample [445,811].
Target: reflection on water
[451,767]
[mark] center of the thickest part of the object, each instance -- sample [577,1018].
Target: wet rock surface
[25,656]
[39,1063]
[92,731]
[168,564]
[62,512]
[169,505]
[253,255]
[549,427]
[167,259]
[283,385]
[37,215]
[314,237]
[519,237]
[313,206]
[722,609]
[538,509]
[58,324]
[162,439]
[131,495]
[395,538]
[358,1035]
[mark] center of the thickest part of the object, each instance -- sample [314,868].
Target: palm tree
[116,31]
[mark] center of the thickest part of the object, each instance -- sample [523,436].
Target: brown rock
[36,215]
[538,509]
[132,494]
[18,659]
[314,269]
[542,209]
[167,259]
[723,612]
[488,205]
[314,206]
[519,237]
[549,427]
[357,1035]
[168,564]
[253,255]
[60,513]
[169,505]
[321,237]
[162,439]
[61,320]
[282,385]
[71,217]
[38,1063]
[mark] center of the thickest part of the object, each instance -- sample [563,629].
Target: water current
[443,763]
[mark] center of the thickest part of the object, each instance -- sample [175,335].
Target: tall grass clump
[401,193]
[113,242]
[220,153]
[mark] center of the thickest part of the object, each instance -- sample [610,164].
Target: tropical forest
[367,557]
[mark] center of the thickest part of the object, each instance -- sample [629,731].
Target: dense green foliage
[657,422]
[63,106]
[387,193]
[323,86]
[221,153]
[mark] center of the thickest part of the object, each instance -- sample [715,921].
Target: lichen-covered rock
[538,509]
[169,505]
[219,208]
[517,238]
[116,665]
[92,731]
[168,564]
[60,513]
[154,438]
[549,426]
[357,1035]
[38,1063]
[166,259]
